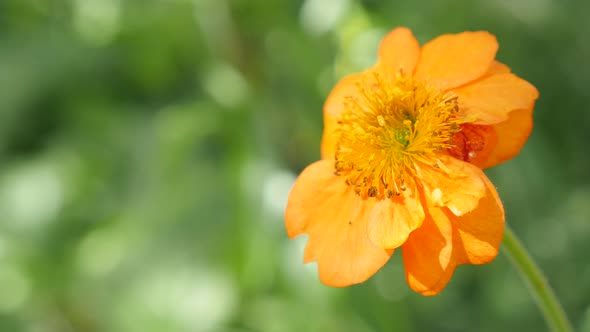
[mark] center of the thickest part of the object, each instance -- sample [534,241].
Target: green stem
[537,283]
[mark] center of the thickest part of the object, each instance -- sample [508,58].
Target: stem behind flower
[536,282]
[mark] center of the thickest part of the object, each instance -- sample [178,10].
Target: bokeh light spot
[321,16]
[14,287]
[31,195]
[226,85]
[97,21]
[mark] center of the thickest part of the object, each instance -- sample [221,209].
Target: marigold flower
[403,150]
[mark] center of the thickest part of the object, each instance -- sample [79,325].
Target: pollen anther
[388,126]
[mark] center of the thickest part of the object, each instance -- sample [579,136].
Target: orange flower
[402,152]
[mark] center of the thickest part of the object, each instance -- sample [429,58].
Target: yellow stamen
[388,127]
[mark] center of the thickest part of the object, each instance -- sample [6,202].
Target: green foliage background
[147,148]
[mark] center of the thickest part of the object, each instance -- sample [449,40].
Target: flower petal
[427,254]
[393,219]
[490,100]
[456,184]
[451,60]
[445,240]
[399,51]
[511,135]
[478,234]
[335,218]
[330,137]
[473,143]
[333,108]
[347,86]
[497,68]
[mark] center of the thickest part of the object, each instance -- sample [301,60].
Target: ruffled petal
[452,60]
[478,234]
[333,108]
[488,101]
[473,143]
[399,52]
[427,254]
[336,220]
[393,219]
[445,241]
[455,184]
[511,135]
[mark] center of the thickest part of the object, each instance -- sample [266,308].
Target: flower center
[388,127]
